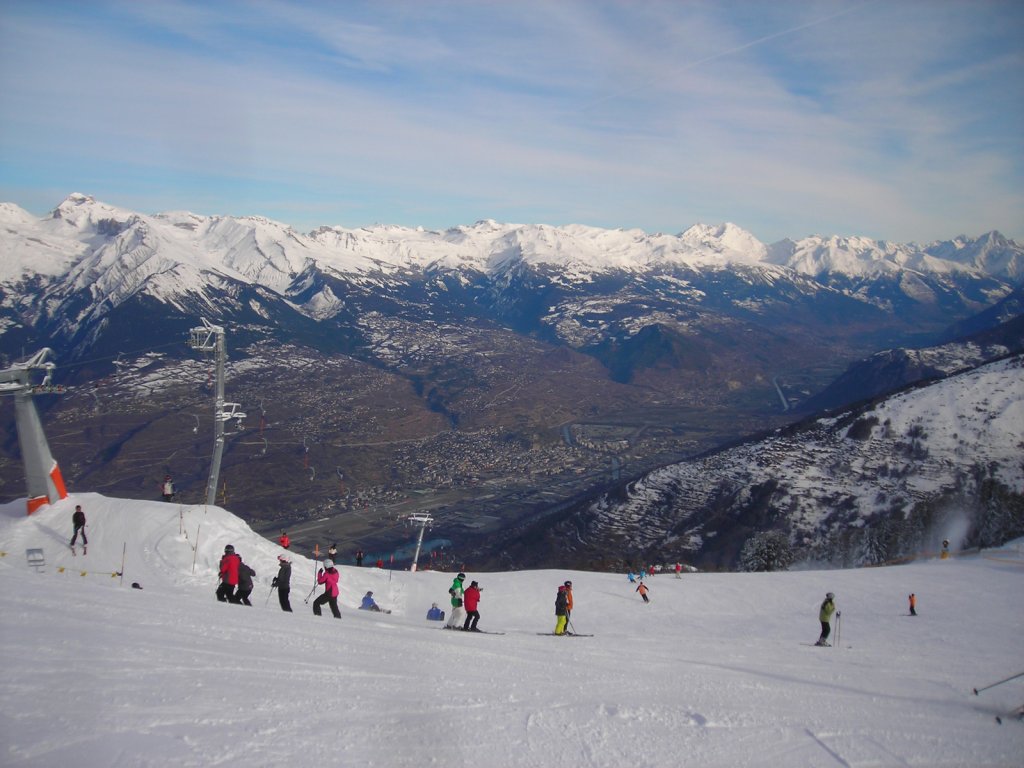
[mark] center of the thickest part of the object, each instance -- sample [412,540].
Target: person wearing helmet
[560,608]
[283,582]
[369,604]
[229,565]
[457,593]
[328,576]
[828,607]
[568,602]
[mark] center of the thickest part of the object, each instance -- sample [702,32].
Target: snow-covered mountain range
[69,272]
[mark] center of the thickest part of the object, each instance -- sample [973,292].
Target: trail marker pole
[195,550]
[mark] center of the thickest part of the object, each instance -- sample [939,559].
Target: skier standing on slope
[913,604]
[568,602]
[560,607]
[457,592]
[78,521]
[167,488]
[245,574]
[229,564]
[828,607]
[472,599]
[328,576]
[283,582]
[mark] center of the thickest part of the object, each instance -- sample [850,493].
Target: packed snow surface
[718,670]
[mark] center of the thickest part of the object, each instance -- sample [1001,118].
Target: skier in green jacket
[458,614]
[828,607]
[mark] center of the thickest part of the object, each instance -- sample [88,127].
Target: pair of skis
[472,631]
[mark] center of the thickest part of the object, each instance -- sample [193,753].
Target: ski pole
[979,690]
[571,627]
[839,627]
[268,597]
[310,594]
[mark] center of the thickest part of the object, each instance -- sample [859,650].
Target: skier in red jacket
[229,564]
[471,599]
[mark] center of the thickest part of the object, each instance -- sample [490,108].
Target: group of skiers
[465,605]
[563,608]
[236,585]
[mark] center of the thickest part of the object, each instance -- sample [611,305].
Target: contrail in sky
[751,44]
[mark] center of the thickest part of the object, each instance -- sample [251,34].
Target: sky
[898,120]
[718,670]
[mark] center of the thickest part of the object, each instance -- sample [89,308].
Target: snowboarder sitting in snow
[472,598]
[78,521]
[328,576]
[370,605]
[229,565]
[828,607]
[435,613]
[283,582]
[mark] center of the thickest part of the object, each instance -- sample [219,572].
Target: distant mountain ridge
[87,259]
[263,250]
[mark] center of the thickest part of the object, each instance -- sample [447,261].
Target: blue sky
[890,119]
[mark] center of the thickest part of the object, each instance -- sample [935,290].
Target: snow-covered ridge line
[258,250]
[845,472]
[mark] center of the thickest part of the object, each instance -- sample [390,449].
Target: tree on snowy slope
[766,551]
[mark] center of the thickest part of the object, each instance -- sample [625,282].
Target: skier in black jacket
[245,574]
[561,602]
[283,582]
[78,520]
